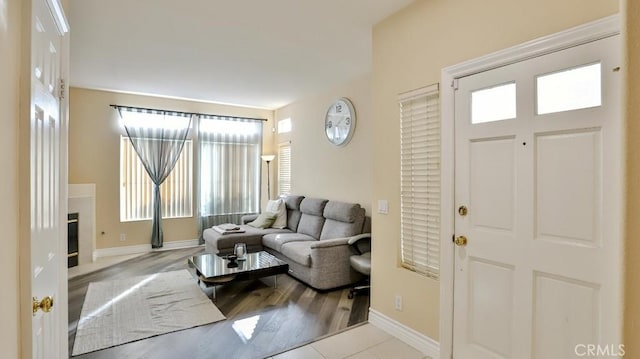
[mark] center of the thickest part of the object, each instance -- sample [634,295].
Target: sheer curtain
[158,138]
[229,169]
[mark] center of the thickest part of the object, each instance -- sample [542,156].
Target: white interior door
[538,166]
[46,181]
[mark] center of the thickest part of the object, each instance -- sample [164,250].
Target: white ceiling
[259,53]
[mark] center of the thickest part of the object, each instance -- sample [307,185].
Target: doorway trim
[593,31]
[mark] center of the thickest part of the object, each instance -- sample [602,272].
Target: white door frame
[63,285]
[596,30]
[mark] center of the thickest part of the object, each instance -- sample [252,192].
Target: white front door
[538,167]
[46,166]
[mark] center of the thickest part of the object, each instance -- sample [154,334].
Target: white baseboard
[417,340]
[142,248]
[121,251]
[187,243]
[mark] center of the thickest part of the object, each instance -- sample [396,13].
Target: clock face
[340,122]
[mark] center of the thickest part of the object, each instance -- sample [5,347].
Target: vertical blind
[284,168]
[420,180]
[136,188]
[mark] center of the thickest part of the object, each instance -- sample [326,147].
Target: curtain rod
[191,113]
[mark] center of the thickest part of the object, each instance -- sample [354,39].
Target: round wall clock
[340,122]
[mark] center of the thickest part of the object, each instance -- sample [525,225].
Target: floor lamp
[268,159]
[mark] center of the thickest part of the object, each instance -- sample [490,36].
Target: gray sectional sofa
[314,242]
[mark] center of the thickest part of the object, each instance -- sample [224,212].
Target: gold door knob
[45,304]
[460,241]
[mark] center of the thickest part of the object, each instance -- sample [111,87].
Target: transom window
[284,125]
[564,90]
[496,103]
[569,89]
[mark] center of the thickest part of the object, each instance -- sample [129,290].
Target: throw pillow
[264,220]
[277,206]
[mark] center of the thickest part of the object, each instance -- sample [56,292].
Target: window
[136,188]
[493,104]
[229,169]
[420,180]
[284,126]
[284,168]
[570,89]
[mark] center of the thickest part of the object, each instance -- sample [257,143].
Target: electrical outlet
[123,237]
[398,302]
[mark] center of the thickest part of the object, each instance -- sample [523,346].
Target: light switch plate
[383,206]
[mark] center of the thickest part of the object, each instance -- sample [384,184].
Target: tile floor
[365,341]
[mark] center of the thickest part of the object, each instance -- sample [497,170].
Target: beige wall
[94,157]
[631,17]
[409,50]
[9,103]
[320,169]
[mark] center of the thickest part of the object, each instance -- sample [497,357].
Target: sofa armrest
[248,218]
[330,264]
[327,243]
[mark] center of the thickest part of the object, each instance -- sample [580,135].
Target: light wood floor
[261,320]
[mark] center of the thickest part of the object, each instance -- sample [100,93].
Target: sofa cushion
[264,220]
[299,252]
[251,236]
[313,206]
[277,206]
[311,225]
[338,229]
[366,226]
[293,202]
[341,211]
[276,240]
[311,220]
[293,211]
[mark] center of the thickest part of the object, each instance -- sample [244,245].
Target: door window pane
[493,104]
[570,89]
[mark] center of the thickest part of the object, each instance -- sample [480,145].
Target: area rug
[122,311]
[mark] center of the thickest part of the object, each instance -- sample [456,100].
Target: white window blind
[420,180]
[284,168]
[136,188]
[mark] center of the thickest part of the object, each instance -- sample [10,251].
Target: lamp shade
[268,158]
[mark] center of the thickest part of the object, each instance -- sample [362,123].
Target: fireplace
[82,199]
[72,239]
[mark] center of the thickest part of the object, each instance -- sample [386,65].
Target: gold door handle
[460,241]
[45,304]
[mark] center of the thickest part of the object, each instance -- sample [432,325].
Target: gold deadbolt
[460,241]
[462,210]
[45,304]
